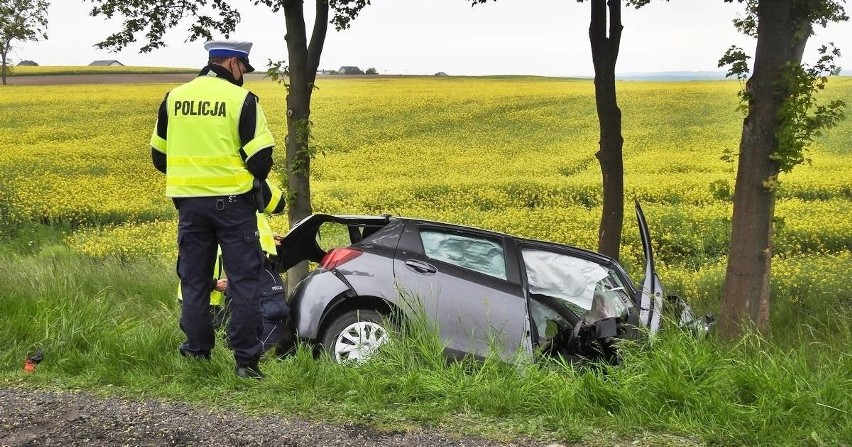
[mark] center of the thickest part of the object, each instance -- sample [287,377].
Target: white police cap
[230,48]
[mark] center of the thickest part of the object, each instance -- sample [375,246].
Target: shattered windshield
[590,290]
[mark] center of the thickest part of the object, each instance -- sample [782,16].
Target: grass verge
[110,326]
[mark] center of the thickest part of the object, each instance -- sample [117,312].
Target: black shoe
[184,351]
[249,372]
[286,346]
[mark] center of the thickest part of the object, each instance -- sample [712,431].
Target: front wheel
[355,336]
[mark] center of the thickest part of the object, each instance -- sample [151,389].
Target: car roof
[386,218]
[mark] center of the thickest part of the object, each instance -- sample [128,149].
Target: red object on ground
[29,366]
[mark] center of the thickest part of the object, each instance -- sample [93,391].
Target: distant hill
[672,76]
[683,76]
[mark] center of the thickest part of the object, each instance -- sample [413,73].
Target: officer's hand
[222,285]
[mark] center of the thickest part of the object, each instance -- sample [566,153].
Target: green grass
[111,326]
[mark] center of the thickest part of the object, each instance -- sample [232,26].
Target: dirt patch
[166,78]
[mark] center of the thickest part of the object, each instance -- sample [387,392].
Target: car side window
[473,253]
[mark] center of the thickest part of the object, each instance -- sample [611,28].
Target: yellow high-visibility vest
[202,144]
[267,240]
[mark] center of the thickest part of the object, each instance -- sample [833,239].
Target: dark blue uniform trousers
[273,306]
[231,222]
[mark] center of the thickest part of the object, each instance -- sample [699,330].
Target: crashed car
[486,292]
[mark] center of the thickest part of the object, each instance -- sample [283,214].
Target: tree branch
[615,28]
[317,38]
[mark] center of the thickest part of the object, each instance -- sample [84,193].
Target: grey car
[485,291]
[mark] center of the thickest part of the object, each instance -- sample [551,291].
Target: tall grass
[111,326]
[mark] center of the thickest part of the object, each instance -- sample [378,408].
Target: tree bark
[4,51]
[611,144]
[303,64]
[746,294]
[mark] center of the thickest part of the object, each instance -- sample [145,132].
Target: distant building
[350,70]
[27,64]
[106,63]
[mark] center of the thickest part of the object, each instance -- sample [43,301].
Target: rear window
[334,234]
[331,235]
[470,252]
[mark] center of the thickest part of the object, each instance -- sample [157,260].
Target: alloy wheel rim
[359,341]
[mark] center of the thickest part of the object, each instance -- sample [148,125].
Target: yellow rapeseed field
[511,154]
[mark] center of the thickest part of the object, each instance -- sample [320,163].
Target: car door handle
[420,267]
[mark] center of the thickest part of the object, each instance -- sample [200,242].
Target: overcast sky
[537,37]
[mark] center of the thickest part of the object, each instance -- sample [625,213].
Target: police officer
[212,142]
[273,304]
[273,295]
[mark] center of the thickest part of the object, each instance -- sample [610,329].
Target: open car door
[651,291]
[300,243]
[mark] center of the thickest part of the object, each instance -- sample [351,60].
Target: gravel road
[39,418]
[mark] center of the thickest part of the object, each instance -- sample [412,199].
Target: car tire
[355,336]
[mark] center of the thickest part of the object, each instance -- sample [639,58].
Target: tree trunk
[604,56]
[303,65]
[4,51]
[746,297]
